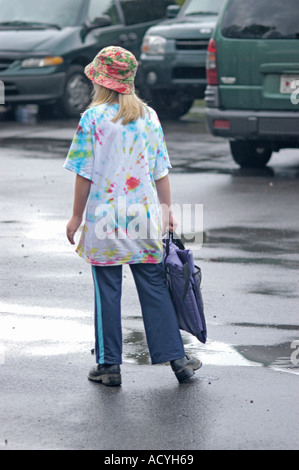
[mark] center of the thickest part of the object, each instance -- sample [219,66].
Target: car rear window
[261,19]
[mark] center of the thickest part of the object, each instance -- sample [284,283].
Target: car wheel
[169,105]
[250,154]
[77,91]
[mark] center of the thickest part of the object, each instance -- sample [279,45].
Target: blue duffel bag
[184,281]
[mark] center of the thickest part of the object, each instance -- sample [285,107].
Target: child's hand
[72,228]
[173,223]
[169,222]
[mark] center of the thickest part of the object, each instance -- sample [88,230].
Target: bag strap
[174,239]
[167,243]
[187,274]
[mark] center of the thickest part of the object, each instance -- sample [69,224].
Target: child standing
[121,161]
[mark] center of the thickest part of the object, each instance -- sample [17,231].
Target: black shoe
[184,368]
[107,374]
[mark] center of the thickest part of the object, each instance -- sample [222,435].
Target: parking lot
[245,395]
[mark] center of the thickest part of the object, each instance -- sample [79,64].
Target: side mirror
[100,22]
[172,11]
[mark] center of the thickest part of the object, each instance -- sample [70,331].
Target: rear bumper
[184,72]
[32,89]
[277,126]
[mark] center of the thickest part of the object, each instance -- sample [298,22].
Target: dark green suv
[173,59]
[45,44]
[253,78]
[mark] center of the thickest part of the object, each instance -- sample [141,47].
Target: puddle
[286,291]
[253,246]
[41,229]
[217,353]
[289,264]
[279,357]
[268,325]
[9,222]
[42,332]
[255,240]
[212,353]
[135,348]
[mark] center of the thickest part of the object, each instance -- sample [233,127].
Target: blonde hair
[130,106]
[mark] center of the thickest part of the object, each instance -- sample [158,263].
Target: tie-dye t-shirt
[122,161]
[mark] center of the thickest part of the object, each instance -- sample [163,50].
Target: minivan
[45,45]
[253,78]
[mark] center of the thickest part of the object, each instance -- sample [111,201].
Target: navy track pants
[161,327]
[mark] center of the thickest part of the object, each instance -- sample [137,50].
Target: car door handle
[123,38]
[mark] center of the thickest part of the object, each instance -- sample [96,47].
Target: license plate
[286,82]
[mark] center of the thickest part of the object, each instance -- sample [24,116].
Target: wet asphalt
[246,394]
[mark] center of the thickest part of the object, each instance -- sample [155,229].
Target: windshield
[202,7]
[56,12]
[251,19]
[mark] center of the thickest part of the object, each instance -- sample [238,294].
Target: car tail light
[221,124]
[211,67]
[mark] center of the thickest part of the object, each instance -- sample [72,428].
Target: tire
[248,154]
[76,96]
[167,104]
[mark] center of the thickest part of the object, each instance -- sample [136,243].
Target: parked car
[173,58]
[45,45]
[253,79]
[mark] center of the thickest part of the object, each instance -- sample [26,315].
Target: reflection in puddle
[216,353]
[277,357]
[135,348]
[41,332]
[41,229]
[43,336]
[221,354]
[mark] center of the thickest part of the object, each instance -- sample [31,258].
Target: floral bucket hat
[114,68]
